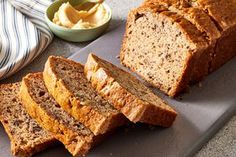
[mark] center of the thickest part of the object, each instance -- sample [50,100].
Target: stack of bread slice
[76,105]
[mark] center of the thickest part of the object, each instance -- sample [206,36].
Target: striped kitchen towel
[23,33]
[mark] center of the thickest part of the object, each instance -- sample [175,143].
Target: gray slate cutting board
[202,112]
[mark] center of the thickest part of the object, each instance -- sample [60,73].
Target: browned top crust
[222,12]
[196,16]
[167,3]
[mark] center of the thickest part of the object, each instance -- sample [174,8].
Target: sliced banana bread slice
[127,93]
[48,113]
[27,137]
[66,81]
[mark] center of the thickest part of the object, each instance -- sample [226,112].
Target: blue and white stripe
[23,33]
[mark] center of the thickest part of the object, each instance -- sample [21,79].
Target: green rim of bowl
[75,30]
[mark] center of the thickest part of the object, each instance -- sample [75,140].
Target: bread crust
[225,49]
[95,121]
[76,143]
[223,12]
[23,150]
[133,107]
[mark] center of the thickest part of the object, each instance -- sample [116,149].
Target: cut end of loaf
[128,94]
[159,46]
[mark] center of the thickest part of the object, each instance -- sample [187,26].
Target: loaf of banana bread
[173,43]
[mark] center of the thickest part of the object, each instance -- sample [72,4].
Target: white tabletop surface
[221,145]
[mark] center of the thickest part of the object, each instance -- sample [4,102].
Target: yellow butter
[80,16]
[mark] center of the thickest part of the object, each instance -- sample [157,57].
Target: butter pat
[80,16]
